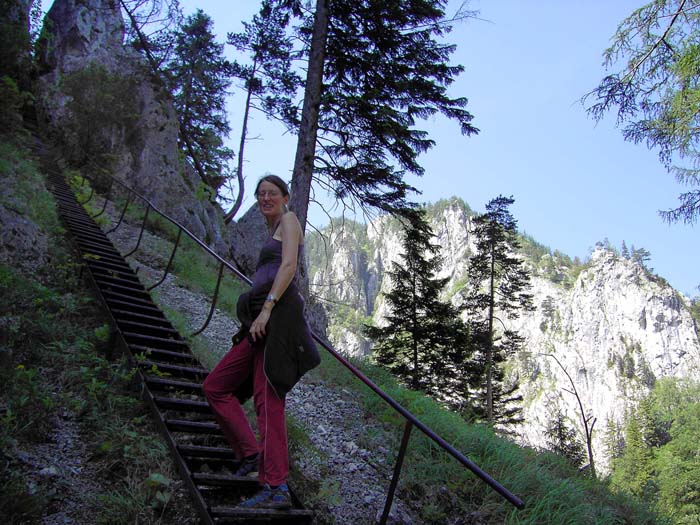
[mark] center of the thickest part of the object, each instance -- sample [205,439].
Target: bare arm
[290,231]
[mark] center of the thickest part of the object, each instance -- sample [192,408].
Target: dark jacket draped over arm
[290,350]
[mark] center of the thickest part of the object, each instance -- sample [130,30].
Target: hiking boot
[270,498]
[248,467]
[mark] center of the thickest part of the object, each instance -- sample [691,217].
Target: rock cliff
[614,327]
[81,33]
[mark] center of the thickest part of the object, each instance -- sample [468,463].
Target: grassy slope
[55,347]
[436,484]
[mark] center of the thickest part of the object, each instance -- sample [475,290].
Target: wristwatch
[272,298]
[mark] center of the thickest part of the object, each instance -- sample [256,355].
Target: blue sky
[575,182]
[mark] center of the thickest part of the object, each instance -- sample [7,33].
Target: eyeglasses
[263,194]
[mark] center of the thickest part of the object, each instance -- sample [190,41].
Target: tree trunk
[306,142]
[489,348]
[241,147]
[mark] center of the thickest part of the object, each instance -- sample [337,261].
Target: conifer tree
[613,440]
[561,439]
[632,472]
[498,284]
[641,256]
[151,27]
[653,89]
[383,68]
[199,76]
[269,82]
[424,341]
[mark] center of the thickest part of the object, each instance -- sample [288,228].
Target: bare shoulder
[290,225]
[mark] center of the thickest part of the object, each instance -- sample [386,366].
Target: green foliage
[198,77]
[18,503]
[678,468]
[15,43]
[102,115]
[694,309]
[498,285]
[660,460]
[56,339]
[550,264]
[26,192]
[424,341]
[386,67]
[632,472]
[656,90]
[12,99]
[200,271]
[268,79]
[561,439]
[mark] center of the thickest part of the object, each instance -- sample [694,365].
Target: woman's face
[270,200]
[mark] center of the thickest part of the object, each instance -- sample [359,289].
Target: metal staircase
[170,374]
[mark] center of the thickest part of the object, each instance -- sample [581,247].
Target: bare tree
[588,421]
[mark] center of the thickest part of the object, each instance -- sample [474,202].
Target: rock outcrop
[615,328]
[81,33]
[615,332]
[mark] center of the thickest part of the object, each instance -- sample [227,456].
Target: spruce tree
[199,76]
[632,472]
[424,341]
[379,68]
[561,439]
[498,284]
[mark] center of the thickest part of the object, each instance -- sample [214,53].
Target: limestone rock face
[614,328]
[84,32]
[615,332]
[248,234]
[348,269]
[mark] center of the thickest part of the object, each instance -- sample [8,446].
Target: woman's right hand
[257,328]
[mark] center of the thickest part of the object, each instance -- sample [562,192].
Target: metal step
[160,384]
[261,515]
[192,427]
[174,370]
[182,405]
[163,355]
[194,451]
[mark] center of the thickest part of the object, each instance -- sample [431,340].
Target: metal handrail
[411,420]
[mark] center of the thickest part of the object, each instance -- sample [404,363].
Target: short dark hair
[277,181]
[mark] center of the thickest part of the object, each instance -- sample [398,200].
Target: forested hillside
[607,338]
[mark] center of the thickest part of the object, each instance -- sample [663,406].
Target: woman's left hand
[257,329]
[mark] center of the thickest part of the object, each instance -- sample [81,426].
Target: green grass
[58,362]
[553,492]
[54,343]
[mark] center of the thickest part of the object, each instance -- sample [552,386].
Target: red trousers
[219,387]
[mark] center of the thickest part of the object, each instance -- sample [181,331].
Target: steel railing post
[397,472]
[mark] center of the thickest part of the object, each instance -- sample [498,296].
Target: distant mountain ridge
[614,327]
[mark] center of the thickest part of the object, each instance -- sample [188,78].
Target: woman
[270,354]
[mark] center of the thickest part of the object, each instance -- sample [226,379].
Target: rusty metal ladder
[170,374]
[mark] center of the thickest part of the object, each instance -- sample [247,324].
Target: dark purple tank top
[269,262]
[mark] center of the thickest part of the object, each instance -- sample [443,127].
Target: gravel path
[353,481]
